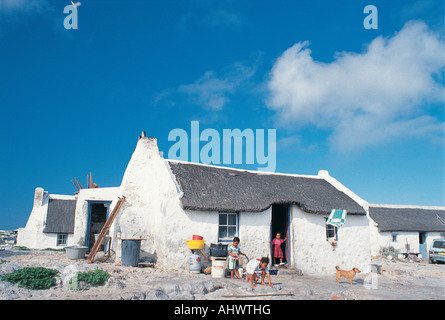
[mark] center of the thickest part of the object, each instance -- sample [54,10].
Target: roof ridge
[246,170]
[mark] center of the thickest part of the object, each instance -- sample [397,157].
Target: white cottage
[406,228]
[168,201]
[50,224]
[53,218]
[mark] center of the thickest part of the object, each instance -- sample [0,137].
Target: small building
[52,219]
[50,224]
[408,229]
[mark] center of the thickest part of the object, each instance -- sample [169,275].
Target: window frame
[227,226]
[331,229]
[62,239]
[394,236]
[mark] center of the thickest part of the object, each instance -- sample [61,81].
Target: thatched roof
[408,219]
[210,188]
[60,216]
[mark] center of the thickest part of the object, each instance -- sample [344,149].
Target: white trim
[405,206]
[61,197]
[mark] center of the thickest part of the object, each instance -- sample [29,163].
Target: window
[228,226]
[394,237]
[62,239]
[421,237]
[331,232]
[439,244]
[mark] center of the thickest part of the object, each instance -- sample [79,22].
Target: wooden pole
[75,185]
[91,179]
[88,181]
[78,183]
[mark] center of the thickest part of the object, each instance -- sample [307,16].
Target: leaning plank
[105,229]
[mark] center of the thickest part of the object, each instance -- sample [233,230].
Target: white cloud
[12,6]
[364,98]
[209,91]
[212,92]
[223,18]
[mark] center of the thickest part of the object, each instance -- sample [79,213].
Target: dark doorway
[280,224]
[97,216]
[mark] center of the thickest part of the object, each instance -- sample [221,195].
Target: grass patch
[35,278]
[95,278]
[21,248]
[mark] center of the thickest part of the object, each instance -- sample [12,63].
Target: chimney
[142,135]
[323,173]
[38,197]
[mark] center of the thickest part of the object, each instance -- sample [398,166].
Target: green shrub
[35,278]
[51,249]
[21,248]
[95,278]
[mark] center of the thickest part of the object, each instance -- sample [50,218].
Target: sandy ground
[398,281]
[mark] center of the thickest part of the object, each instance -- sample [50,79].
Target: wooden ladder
[105,229]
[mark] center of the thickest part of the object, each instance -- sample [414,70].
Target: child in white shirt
[257,265]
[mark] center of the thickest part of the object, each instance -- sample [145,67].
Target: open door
[422,246]
[281,224]
[97,216]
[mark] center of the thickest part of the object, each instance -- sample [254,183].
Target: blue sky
[366,105]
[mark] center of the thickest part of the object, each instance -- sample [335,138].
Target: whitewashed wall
[152,209]
[33,230]
[381,240]
[81,218]
[32,236]
[313,254]
[254,233]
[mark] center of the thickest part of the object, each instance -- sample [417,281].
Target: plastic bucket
[218,268]
[195,263]
[76,252]
[196,237]
[195,244]
[130,252]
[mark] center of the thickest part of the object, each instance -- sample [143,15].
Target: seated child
[257,265]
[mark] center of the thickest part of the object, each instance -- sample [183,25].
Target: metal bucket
[104,241]
[130,252]
[195,263]
[76,252]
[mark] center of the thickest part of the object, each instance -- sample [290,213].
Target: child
[277,252]
[257,265]
[234,252]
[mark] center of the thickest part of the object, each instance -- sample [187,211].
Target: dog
[347,274]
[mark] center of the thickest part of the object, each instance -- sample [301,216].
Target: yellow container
[195,244]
